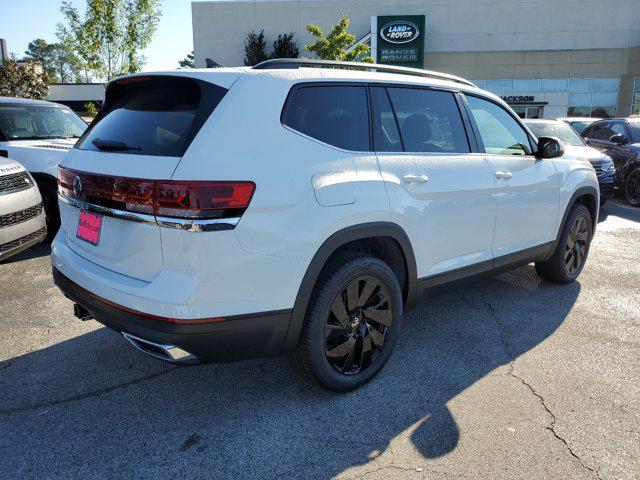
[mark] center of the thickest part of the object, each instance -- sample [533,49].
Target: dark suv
[620,139]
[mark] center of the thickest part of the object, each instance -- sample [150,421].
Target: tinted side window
[386,137]
[429,120]
[601,131]
[499,131]
[336,115]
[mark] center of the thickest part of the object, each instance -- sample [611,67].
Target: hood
[51,143]
[39,156]
[595,157]
[8,166]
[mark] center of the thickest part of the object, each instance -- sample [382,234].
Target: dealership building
[547,58]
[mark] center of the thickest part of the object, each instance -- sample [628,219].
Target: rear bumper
[231,338]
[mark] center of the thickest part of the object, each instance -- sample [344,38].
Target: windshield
[33,122]
[564,132]
[580,125]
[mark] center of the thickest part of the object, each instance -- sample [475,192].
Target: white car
[38,134]
[22,222]
[290,208]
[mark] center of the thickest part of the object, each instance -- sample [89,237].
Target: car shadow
[37,251]
[91,406]
[621,209]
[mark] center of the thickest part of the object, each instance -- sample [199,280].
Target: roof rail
[295,63]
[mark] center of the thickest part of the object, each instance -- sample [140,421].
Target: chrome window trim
[187,225]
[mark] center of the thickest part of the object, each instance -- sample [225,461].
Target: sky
[22,21]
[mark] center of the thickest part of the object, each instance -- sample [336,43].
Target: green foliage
[58,60]
[111,34]
[334,46]
[91,109]
[22,79]
[285,47]
[189,61]
[254,48]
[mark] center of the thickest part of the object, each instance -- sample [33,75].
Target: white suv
[38,134]
[291,208]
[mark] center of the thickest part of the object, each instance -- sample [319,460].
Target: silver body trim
[187,225]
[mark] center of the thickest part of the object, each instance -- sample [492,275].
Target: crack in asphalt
[511,373]
[82,396]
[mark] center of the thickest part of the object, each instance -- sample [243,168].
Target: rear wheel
[352,323]
[570,254]
[632,187]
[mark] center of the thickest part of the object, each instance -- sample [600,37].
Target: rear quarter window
[152,115]
[336,114]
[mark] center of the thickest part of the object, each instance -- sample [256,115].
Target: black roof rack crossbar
[295,63]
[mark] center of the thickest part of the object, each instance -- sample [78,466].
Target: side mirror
[619,139]
[549,147]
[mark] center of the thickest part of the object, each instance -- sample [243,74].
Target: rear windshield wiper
[113,145]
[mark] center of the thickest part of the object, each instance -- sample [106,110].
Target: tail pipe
[162,351]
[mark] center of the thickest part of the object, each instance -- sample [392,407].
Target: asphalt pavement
[510,377]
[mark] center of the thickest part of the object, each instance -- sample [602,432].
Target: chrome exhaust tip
[163,351]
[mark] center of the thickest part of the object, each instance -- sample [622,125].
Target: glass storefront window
[581,84]
[635,106]
[606,84]
[555,84]
[579,111]
[499,86]
[576,99]
[527,86]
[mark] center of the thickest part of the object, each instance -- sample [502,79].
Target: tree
[111,34]
[285,47]
[254,48]
[189,61]
[22,79]
[334,46]
[58,60]
[91,109]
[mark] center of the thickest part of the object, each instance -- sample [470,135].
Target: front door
[527,187]
[439,192]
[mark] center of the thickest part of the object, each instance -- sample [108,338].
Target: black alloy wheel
[632,188]
[576,247]
[358,325]
[352,323]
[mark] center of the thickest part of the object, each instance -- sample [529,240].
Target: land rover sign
[399,40]
[399,32]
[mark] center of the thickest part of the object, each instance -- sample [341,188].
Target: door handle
[504,175]
[415,179]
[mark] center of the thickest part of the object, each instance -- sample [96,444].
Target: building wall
[481,39]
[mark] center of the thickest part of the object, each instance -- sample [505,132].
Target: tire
[632,187]
[342,351]
[572,250]
[49,191]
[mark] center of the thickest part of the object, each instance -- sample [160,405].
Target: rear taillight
[164,198]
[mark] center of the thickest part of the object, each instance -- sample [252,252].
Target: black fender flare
[334,242]
[580,192]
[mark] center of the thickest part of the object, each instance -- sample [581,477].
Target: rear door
[527,187]
[142,132]
[440,192]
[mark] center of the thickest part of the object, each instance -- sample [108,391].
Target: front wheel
[352,323]
[571,252]
[632,187]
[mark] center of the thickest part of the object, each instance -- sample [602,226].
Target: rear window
[336,115]
[152,115]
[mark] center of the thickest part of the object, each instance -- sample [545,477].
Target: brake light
[203,199]
[164,198]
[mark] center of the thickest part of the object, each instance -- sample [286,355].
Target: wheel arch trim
[580,192]
[332,244]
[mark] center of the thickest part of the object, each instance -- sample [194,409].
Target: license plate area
[89,227]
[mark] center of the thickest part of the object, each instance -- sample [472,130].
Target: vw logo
[77,186]
[399,32]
